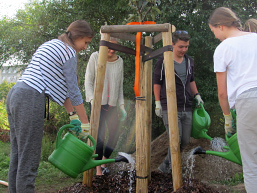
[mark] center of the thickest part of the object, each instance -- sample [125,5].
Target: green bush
[4,89]
[57,118]
[3,116]
[48,146]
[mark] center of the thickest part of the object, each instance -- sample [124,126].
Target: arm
[79,109]
[90,77]
[223,99]
[157,91]
[222,91]
[193,88]
[121,95]
[81,113]
[195,93]
[157,94]
[75,99]
[158,78]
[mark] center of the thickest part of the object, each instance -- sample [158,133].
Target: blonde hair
[224,16]
[251,25]
[76,30]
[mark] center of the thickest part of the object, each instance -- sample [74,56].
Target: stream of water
[190,165]
[132,163]
[216,144]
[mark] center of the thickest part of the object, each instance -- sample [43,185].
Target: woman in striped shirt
[52,73]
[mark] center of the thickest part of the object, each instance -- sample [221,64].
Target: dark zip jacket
[183,92]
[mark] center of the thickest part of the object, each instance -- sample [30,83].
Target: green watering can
[201,123]
[73,156]
[233,153]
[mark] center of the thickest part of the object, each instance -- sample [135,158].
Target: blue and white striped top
[53,69]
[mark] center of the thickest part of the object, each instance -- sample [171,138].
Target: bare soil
[202,174]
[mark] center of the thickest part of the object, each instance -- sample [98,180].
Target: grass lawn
[49,178]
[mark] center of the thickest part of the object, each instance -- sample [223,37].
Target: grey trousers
[246,109]
[25,108]
[185,127]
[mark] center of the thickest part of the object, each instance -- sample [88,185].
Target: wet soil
[121,183]
[201,174]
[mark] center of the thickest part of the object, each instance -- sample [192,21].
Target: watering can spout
[199,150]
[93,163]
[229,155]
[121,159]
[233,153]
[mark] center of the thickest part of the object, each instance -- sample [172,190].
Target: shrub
[3,116]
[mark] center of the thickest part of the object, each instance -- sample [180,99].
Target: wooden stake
[141,138]
[172,112]
[124,36]
[148,108]
[97,101]
[158,37]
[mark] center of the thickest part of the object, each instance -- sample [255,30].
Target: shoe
[160,169]
[164,168]
[105,171]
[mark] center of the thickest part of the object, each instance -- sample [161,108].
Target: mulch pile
[125,181]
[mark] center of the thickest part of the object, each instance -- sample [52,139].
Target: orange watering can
[73,156]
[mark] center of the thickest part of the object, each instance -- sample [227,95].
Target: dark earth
[159,183]
[202,174]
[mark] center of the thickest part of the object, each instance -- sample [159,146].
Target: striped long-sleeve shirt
[53,69]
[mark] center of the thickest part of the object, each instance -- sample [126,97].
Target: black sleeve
[158,76]
[192,68]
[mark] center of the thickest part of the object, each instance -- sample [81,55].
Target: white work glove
[123,113]
[74,120]
[91,102]
[74,117]
[198,99]
[85,130]
[228,125]
[158,108]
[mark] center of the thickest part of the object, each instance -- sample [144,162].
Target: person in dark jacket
[186,91]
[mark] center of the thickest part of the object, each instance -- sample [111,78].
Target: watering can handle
[93,141]
[233,114]
[201,104]
[58,138]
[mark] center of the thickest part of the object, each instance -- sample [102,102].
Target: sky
[10,7]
